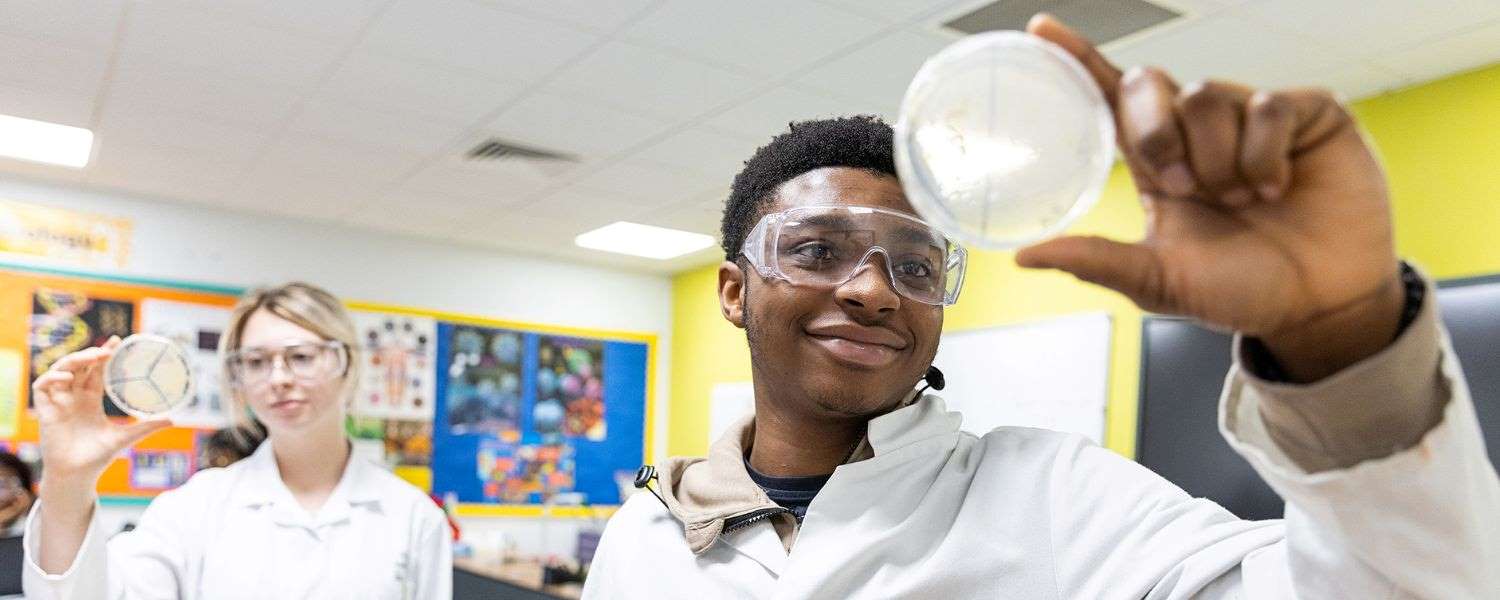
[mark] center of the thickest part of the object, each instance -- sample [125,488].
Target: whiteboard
[1051,374]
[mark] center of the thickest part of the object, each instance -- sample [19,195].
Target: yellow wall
[1441,146]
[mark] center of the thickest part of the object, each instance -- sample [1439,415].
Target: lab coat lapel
[760,543]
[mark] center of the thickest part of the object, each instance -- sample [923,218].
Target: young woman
[297,519]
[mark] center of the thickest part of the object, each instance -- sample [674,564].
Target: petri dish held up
[1003,140]
[148,376]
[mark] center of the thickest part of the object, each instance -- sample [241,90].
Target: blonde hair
[309,307]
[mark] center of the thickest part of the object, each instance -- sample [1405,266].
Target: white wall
[193,243]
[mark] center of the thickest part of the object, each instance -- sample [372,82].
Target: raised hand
[1267,214]
[77,439]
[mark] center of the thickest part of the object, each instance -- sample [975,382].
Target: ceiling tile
[587,14]
[154,130]
[573,126]
[55,105]
[303,196]
[771,37]
[406,132]
[426,209]
[1353,80]
[493,184]
[902,10]
[54,173]
[232,46]
[141,81]
[40,64]
[1214,47]
[768,114]
[879,72]
[333,21]
[713,155]
[584,207]
[1471,49]
[379,81]
[651,184]
[84,24]
[1369,26]
[178,174]
[698,215]
[305,155]
[520,232]
[475,37]
[651,81]
[408,218]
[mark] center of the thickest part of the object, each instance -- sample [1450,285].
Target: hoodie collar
[704,493]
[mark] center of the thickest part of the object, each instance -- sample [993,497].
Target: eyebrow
[842,223]
[825,220]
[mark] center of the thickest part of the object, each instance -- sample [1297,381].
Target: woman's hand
[77,439]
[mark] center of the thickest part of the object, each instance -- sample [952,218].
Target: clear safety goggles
[310,362]
[828,245]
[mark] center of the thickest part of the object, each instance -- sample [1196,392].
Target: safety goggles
[828,245]
[309,362]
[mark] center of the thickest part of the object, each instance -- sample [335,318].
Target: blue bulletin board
[522,416]
[524,412]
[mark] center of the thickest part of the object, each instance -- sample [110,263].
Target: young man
[1267,215]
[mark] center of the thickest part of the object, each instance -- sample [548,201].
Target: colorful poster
[10,392]
[63,322]
[159,470]
[196,328]
[483,369]
[408,443]
[548,455]
[400,355]
[400,443]
[68,236]
[515,474]
[570,384]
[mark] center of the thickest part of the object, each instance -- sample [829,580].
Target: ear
[732,292]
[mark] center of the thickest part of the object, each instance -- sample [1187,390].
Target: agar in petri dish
[1003,139]
[148,376]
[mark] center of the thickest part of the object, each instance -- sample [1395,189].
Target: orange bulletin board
[19,288]
[394,426]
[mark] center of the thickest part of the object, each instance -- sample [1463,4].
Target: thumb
[133,433]
[1131,269]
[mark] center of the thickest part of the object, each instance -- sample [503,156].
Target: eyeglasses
[309,362]
[827,246]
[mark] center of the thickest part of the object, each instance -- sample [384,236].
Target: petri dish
[1003,139]
[148,376]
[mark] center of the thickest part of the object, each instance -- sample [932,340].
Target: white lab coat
[237,532]
[1027,513]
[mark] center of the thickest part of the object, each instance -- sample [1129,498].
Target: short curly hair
[860,142]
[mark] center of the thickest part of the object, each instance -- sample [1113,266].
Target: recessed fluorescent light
[643,240]
[44,142]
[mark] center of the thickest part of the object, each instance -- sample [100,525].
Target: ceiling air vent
[1099,20]
[498,149]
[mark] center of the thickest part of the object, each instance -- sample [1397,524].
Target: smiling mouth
[854,353]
